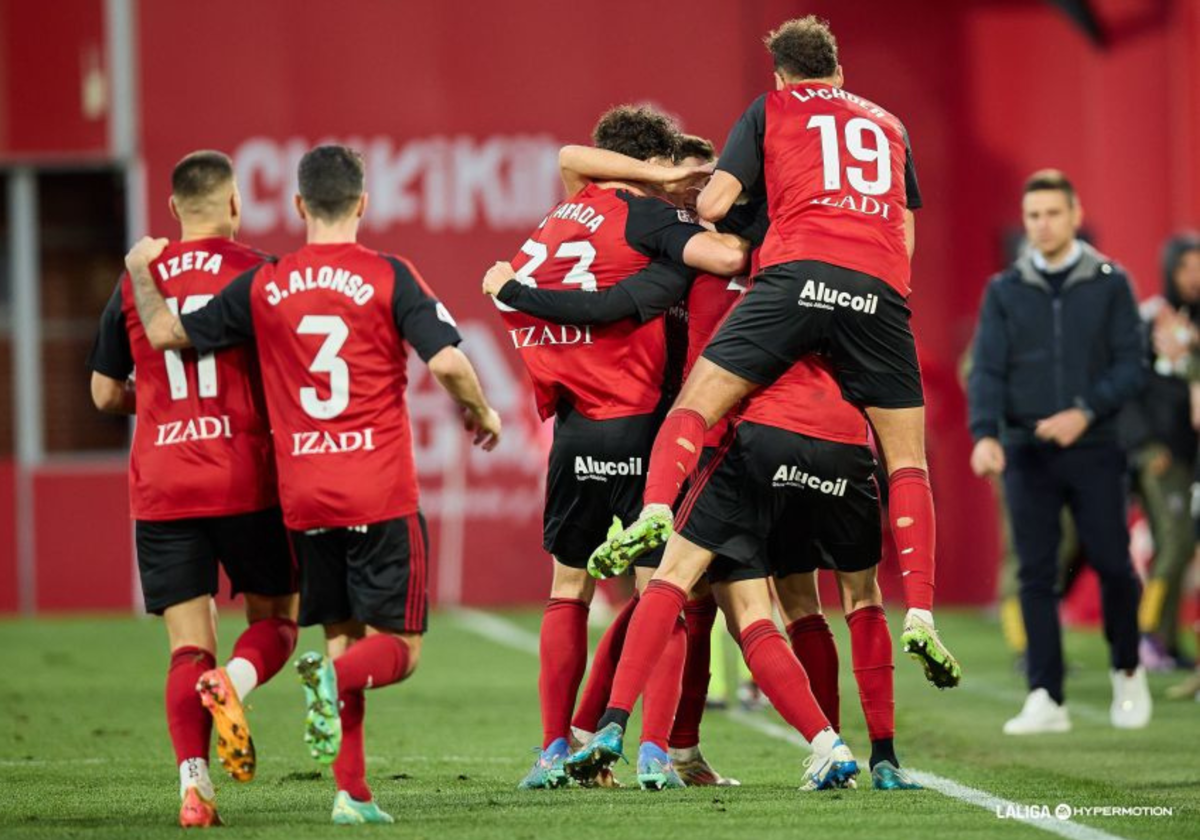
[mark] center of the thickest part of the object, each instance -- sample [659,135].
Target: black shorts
[859,322]
[375,574]
[597,470]
[774,502]
[177,559]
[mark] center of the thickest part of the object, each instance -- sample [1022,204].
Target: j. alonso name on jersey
[589,468]
[325,277]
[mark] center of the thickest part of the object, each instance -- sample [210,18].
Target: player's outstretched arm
[581,165]
[718,195]
[113,396]
[163,329]
[455,373]
[722,254]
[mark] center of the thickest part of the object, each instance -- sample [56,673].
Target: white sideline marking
[504,632]
[49,762]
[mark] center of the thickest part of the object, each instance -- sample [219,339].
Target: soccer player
[841,187]
[708,298]
[603,385]
[333,323]
[202,486]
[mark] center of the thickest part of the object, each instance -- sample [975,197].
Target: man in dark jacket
[1158,432]
[1058,352]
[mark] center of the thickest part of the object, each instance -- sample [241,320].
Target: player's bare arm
[722,254]
[581,165]
[455,373]
[113,396]
[910,232]
[718,195]
[163,328]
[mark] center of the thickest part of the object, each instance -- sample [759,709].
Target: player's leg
[254,550]
[594,697]
[178,571]
[783,680]
[811,639]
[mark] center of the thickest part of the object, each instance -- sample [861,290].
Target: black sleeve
[911,188]
[742,156]
[111,354]
[748,220]
[658,229]
[421,318]
[225,320]
[645,295]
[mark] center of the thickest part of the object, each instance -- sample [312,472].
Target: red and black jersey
[332,325]
[838,174]
[807,399]
[592,241]
[710,299]
[202,444]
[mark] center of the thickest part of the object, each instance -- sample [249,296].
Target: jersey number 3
[329,362]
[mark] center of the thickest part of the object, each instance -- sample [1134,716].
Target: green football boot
[347,811]
[620,549]
[323,720]
[547,772]
[887,776]
[921,642]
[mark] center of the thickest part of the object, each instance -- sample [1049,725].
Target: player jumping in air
[332,325]
[841,187]
[202,486]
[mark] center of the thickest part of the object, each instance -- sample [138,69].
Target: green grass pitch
[85,751]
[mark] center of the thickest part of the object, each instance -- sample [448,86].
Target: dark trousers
[1039,479]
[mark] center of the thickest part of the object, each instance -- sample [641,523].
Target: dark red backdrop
[459,109]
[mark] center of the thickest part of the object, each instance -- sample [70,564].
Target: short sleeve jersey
[333,324]
[838,173]
[592,241]
[202,445]
[710,300]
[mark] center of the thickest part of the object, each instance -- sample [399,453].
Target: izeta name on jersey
[582,213]
[198,428]
[589,468]
[792,476]
[819,296]
[549,335]
[189,261]
[325,443]
[326,277]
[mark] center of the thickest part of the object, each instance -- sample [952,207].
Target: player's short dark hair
[200,173]
[689,145]
[331,181]
[1050,179]
[803,48]
[638,131]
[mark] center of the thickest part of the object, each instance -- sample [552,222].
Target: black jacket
[1162,413]
[1036,354]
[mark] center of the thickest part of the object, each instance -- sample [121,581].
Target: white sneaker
[1039,715]
[1131,704]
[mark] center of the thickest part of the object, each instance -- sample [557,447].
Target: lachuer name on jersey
[550,335]
[198,428]
[832,93]
[326,277]
[582,213]
[818,295]
[787,474]
[325,443]
[189,261]
[862,204]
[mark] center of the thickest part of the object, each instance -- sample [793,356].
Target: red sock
[910,498]
[871,649]
[350,766]
[188,722]
[674,456]
[604,664]
[378,660]
[650,631]
[267,645]
[563,660]
[699,616]
[781,677]
[662,689]
[815,648]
